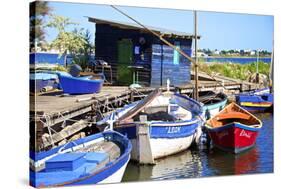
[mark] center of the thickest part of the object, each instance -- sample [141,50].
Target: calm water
[238,60]
[200,162]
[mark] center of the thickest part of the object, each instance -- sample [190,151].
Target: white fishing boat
[160,125]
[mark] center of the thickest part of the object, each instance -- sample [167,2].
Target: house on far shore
[199,54]
[133,52]
[216,52]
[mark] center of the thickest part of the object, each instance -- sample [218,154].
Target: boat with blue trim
[160,125]
[233,129]
[98,158]
[213,103]
[256,101]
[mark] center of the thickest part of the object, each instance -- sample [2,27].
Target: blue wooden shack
[127,45]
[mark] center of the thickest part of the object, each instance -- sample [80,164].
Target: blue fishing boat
[160,125]
[213,103]
[98,158]
[79,85]
[256,101]
[260,100]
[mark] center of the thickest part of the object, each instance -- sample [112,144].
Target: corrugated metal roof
[127,25]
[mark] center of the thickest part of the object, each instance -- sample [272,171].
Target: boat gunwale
[196,118]
[255,127]
[109,165]
[220,95]
[208,125]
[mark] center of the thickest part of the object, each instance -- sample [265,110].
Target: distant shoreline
[235,57]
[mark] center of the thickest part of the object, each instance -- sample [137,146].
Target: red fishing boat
[234,129]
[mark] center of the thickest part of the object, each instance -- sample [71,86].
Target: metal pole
[196,58]
[257,61]
[271,71]
[257,69]
[161,74]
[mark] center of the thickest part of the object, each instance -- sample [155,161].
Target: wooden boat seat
[53,177]
[65,162]
[96,157]
[233,115]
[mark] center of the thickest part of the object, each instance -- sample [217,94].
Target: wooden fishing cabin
[138,56]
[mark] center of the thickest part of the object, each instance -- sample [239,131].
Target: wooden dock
[49,109]
[215,83]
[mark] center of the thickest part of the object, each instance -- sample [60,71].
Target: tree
[83,60]
[38,10]
[223,52]
[76,42]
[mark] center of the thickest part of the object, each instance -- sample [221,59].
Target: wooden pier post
[143,143]
[37,130]
[132,96]
[196,94]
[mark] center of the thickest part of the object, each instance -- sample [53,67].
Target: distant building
[252,53]
[199,54]
[127,46]
[216,52]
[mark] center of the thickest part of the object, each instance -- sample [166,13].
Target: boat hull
[83,85]
[214,109]
[257,107]
[234,137]
[158,137]
[111,172]
[255,102]
[165,139]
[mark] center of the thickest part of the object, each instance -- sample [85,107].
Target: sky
[222,31]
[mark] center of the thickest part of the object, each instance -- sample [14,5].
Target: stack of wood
[67,134]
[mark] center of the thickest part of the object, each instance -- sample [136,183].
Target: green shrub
[236,71]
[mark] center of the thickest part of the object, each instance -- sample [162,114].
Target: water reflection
[221,163]
[200,162]
[182,165]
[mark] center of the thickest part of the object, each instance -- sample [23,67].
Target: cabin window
[176,53]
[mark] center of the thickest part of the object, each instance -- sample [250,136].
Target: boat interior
[233,113]
[77,161]
[210,97]
[164,108]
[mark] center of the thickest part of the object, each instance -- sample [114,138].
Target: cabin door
[125,59]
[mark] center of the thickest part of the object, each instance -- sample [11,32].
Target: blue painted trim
[257,109]
[215,106]
[235,124]
[173,131]
[198,104]
[251,97]
[107,172]
[41,155]
[99,175]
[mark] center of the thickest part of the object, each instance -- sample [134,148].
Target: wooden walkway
[57,107]
[49,109]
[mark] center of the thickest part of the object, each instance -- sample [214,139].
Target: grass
[236,71]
